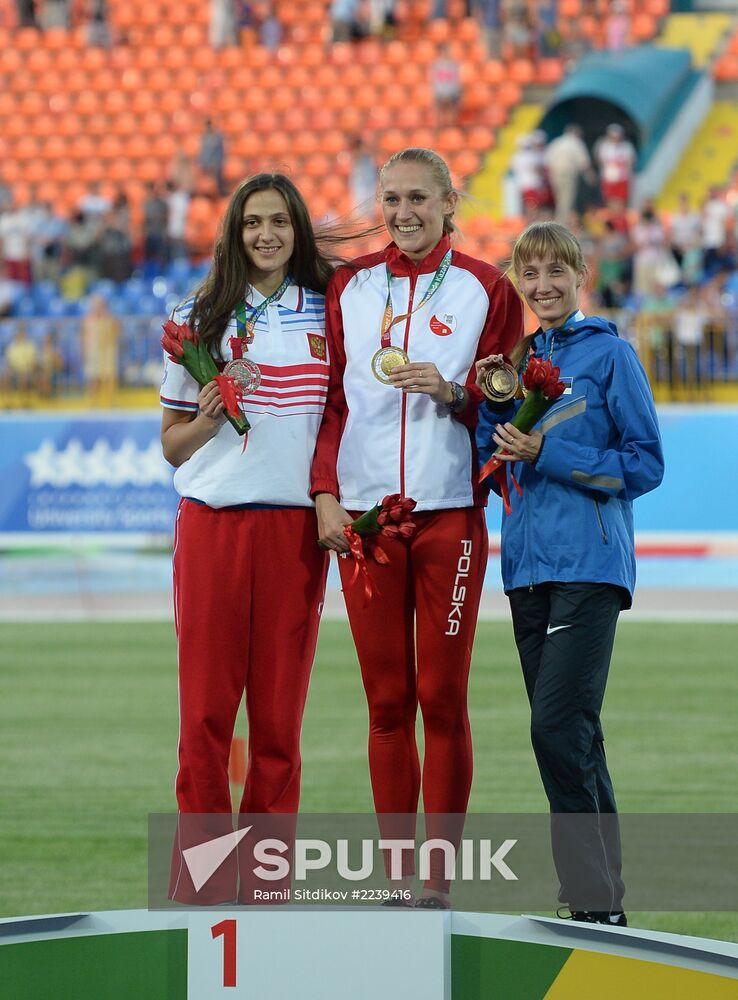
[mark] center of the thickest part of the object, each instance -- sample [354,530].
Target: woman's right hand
[332,519]
[210,402]
[484,364]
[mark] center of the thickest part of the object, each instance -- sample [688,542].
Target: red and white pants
[248,592]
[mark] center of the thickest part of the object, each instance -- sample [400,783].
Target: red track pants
[248,590]
[414,643]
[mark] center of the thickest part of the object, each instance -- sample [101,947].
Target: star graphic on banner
[41,463]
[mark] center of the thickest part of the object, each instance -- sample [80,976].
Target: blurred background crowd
[119,149]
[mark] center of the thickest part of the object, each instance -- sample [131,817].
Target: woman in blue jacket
[568,561]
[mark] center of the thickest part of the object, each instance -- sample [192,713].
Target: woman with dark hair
[405,326]
[249,578]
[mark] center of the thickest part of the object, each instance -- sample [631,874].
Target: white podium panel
[272,955]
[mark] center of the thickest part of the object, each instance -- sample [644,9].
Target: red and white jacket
[375,439]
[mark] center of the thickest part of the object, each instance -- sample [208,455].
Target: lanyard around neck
[388,322]
[245,327]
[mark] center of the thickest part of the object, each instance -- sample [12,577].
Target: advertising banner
[99,475]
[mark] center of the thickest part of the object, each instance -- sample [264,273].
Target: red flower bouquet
[185,348]
[543,388]
[391,519]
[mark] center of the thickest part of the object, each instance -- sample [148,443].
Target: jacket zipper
[605,539]
[403,409]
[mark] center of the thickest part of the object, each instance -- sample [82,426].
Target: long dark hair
[228,278]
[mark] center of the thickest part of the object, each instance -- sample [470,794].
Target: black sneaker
[595,917]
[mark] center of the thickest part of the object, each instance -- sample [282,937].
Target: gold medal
[385,360]
[500,383]
[245,374]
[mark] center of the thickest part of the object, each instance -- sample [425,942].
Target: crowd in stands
[671,277]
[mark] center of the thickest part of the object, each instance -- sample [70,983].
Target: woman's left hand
[519,447]
[422,376]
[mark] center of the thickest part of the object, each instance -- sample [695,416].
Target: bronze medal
[245,374]
[385,360]
[500,383]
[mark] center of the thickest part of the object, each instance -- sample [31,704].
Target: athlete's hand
[484,364]
[210,402]
[520,447]
[331,521]
[422,376]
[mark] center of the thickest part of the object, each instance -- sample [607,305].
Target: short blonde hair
[436,164]
[547,240]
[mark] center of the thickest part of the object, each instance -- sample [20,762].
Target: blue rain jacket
[601,450]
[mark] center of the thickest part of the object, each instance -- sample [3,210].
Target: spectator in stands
[445,79]
[115,249]
[654,264]
[685,228]
[615,157]
[80,255]
[567,160]
[716,231]
[178,208]
[21,361]
[10,290]
[270,29]
[27,14]
[6,196]
[529,170]
[490,12]
[181,171]
[689,325]
[48,236]
[51,366]
[93,202]
[155,220]
[363,178]
[212,155]
[55,14]
[344,20]
[100,337]
[98,30]
[223,29]
[617,27]
[518,35]
[613,260]
[15,243]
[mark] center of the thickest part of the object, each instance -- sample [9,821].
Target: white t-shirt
[290,350]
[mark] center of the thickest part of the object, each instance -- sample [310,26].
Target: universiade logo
[475,860]
[102,464]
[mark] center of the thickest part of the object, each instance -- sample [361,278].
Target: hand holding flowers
[391,519]
[515,442]
[184,347]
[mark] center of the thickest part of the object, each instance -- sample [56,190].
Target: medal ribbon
[245,327]
[388,322]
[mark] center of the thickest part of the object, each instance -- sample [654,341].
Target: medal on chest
[245,372]
[389,356]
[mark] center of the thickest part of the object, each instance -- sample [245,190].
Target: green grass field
[88,732]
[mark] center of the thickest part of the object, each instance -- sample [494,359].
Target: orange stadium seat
[643,26]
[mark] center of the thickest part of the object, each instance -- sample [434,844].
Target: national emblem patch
[317,346]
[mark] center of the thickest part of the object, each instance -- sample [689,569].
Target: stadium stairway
[709,160]
[701,33]
[486,189]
